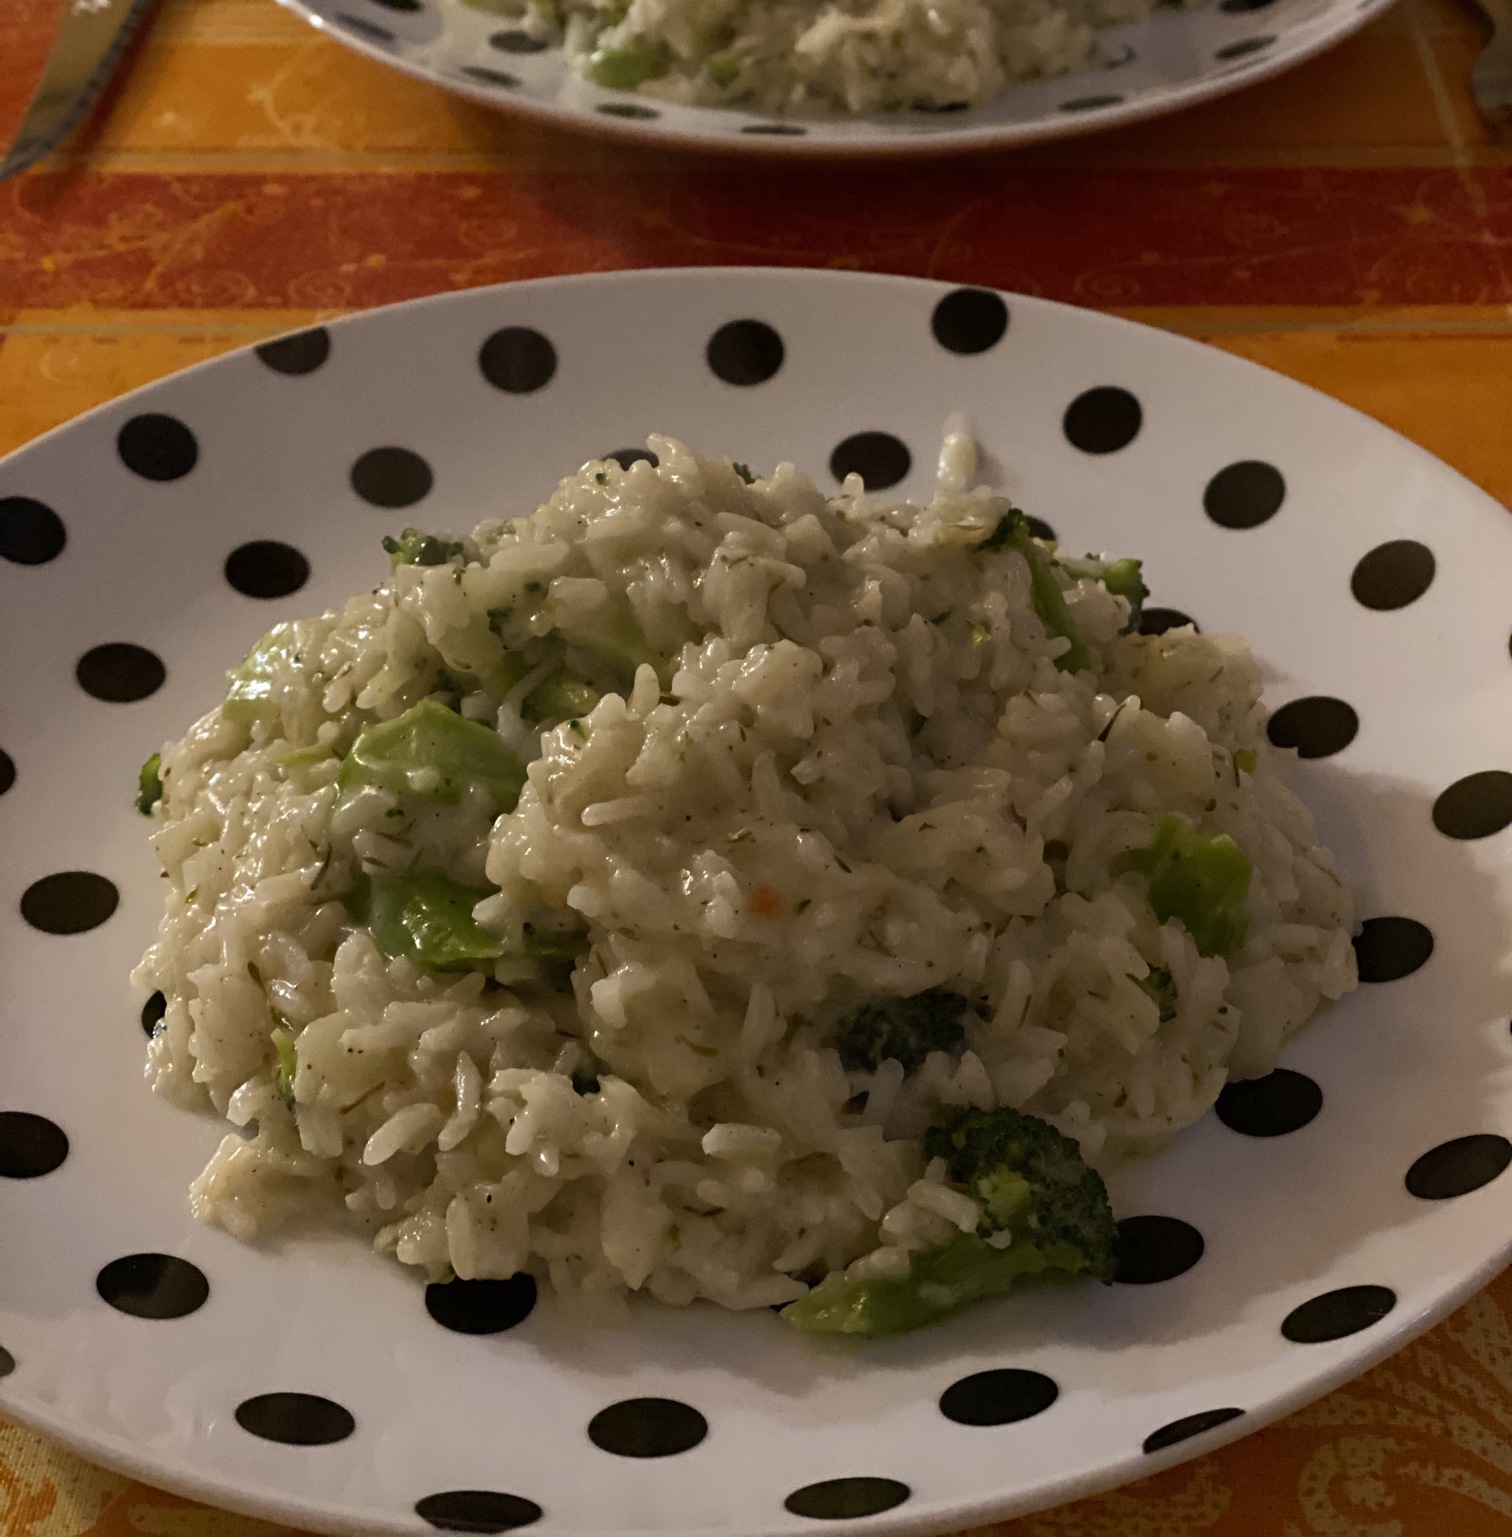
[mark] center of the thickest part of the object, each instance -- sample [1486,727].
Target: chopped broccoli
[744,471]
[149,785]
[288,1065]
[1124,579]
[725,71]
[1032,1185]
[427,756]
[1161,986]
[1244,758]
[625,67]
[1202,881]
[1012,533]
[563,696]
[414,547]
[907,1029]
[251,689]
[553,947]
[426,917]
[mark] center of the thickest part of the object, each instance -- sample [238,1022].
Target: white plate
[1171,60]
[252,449]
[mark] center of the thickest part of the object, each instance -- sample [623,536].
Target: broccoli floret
[907,1029]
[1034,1189]
[1013,533]
[1204,882]
[149,785]
[744,471]
[288,1065]
[414,547]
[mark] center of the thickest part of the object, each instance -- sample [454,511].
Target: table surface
[1349,224]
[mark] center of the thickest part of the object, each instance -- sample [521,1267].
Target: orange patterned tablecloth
[1349,224]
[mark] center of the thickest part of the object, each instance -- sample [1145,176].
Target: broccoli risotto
[818,57]
[708,888]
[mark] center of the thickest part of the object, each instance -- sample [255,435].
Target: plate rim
[945,141]
[247,1497]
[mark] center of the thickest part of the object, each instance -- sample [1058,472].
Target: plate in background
[1172,59]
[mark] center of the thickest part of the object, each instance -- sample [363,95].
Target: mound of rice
[840,765]
[819,57]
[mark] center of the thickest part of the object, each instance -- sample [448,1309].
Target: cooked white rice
[815,57]
[861,775]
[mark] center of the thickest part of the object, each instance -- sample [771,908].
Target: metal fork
[1491,79]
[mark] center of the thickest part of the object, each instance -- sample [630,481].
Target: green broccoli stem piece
[1202,882]
[627,66]
[288,1065]
[938,1282]
[1125,579]
[1012,533]
[428,756]
[563,696]
[149,785]
[427,918]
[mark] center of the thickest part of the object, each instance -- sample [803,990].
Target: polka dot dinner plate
[1313,1223]
[1170,60]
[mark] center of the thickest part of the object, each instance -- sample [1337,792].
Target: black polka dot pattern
[120,672]
[398,5]
[880,459]
[7,772]
[1475,806]
[847,1499]
[1238,7]
[70,902]
[365,29]
[481,1307]
[1001,1397]
[31,533]
[266,569]
[1283,1101]
[1042,530]
[1156,621]
[1102,420]
[776,130]
[392,477]
[1388,949]
[295,1419]
[1244,495]
[1458,1167]
[1393,575]
[157,447]
[517,360]
[477,1510]
[1089,103]
[301,353]
[485,76]
[7,1362]
[626,109]
[647,1427]
[625,457]
[1184,1429]
[153,1286]
[1318,726]
[515,41]
[30,1145]
[1243,48]
[969,320]
[1336,1314]
[152,1013]
[745,352]
[1153,1248]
